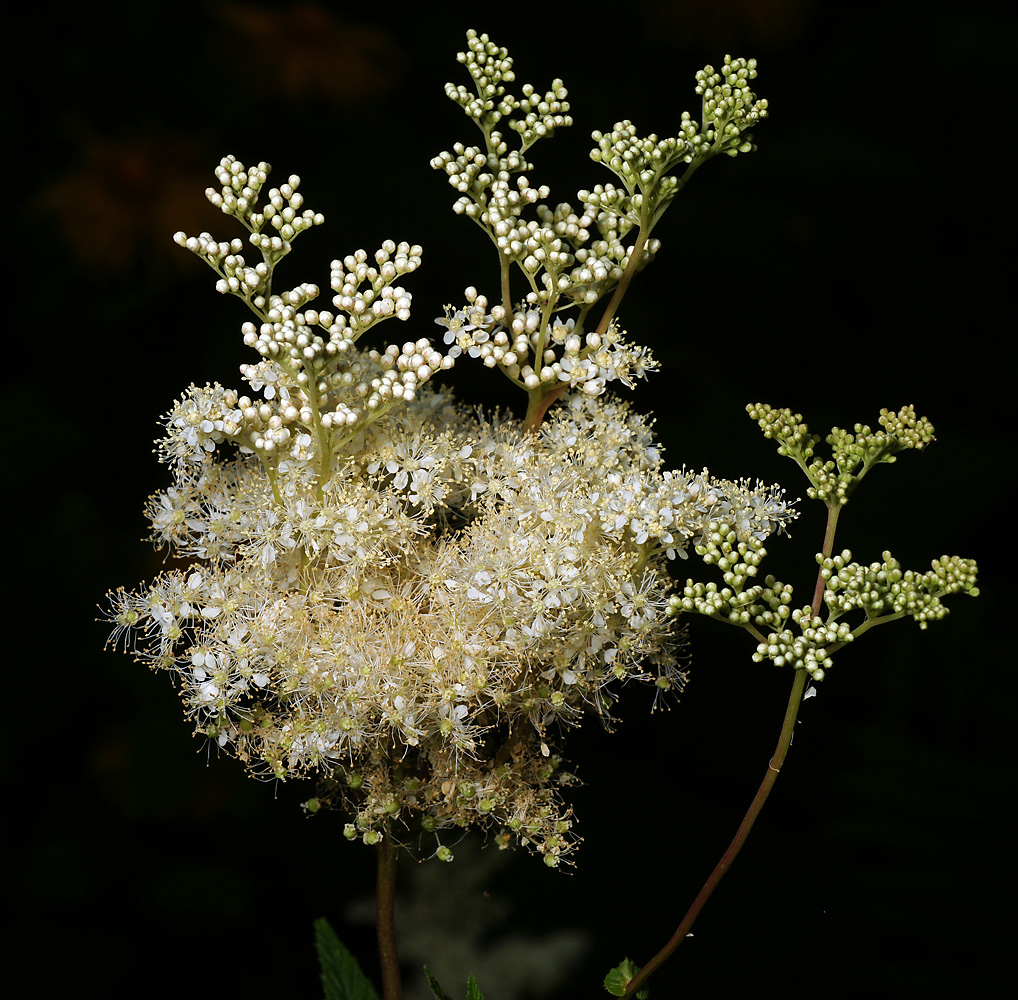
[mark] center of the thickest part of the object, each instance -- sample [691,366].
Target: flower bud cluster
[729,107]
[551,253]
[885,589]
[785,427]
[643,165]
[807,650]
[282,210]
[575,257]
[483,176]
[490,67]
[380,300]
[318,387]
[853,453]
[241,189]
[765,606]
[541,114]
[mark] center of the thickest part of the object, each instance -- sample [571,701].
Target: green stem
[833,510]
[770,776]
[627,276]
[392,988]
[507,298]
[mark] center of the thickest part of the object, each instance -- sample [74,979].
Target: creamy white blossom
[407,596]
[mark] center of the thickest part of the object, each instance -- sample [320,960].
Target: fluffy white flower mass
[421,628]
[404,595]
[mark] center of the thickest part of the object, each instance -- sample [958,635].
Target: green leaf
[473,990]
[433,983]
[342,978]
[620,977]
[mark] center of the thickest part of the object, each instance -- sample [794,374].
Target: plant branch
[392,988]
[770,776]
[833,510]
[635,259]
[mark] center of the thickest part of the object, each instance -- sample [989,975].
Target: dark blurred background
[859,259]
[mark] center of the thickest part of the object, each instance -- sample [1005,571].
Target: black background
[859,259]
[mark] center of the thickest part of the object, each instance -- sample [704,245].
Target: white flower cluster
[420,628]
[533,354]
[403,595]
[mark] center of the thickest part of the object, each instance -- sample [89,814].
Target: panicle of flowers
[571,258]
[882,591]
[853,454]
[533,355]
[396,592]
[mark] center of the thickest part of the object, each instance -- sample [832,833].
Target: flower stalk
[721,868]
[882,590]
[385,909]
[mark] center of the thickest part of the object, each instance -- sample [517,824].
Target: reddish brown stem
[770,776]
[392,987]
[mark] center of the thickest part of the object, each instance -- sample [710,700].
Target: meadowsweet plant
[413,600]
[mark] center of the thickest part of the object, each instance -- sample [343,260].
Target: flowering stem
[833,510]
[770,776]
[627,276]
[538,405]
[392,988]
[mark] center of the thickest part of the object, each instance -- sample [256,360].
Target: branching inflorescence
[413,599]
[408,597]
[572,259]
[802,637]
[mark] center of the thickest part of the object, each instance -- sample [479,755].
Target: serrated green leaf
[433,983]
[473,990]
[342,978]
[619,978]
